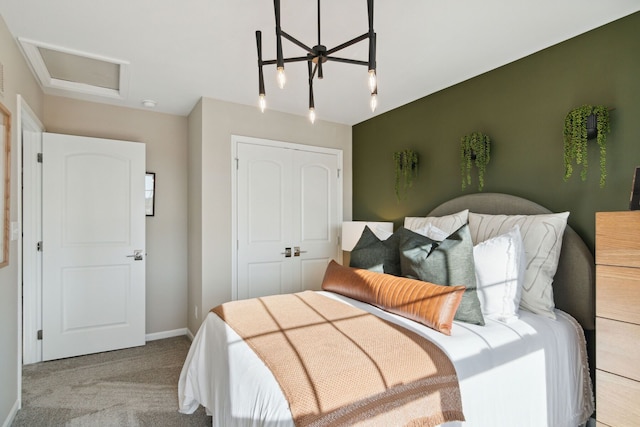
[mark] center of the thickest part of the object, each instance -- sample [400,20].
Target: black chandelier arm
[347,61]
[349,43]
[296,42]
[276,9]
[372,51]
[285,60]
[311,74]
[261,90]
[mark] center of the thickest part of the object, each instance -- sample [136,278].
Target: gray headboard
[574,283]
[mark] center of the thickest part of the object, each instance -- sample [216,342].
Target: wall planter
[406,170]
[475,149]
[580,125]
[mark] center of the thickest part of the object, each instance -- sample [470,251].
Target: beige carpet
[131,387]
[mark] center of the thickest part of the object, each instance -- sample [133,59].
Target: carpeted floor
[131,387]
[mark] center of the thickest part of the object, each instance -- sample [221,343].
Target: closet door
[315,215]
[287,217]
[264,221]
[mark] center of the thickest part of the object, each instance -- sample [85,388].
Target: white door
[288,217]
[93,227]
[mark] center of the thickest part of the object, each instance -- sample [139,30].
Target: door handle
[137,255]
[286,253]
[297,251]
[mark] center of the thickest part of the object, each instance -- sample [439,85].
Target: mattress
[529,372]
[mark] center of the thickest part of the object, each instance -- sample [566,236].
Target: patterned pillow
[449,262]
[542,237]
[446,223]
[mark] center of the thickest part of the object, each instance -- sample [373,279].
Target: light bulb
[312,115]
[373,102]
[373,84]
[263,102]
[281,77]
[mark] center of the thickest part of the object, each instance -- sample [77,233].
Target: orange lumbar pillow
[430,304]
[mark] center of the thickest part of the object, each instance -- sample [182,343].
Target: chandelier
[315,57]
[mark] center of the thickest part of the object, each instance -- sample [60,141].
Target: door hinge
[39,157]
[338,173]
[237,163]
[39,246]
[40,335]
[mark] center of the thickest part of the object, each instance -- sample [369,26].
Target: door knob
[286,253]
[297,251]
[137,255]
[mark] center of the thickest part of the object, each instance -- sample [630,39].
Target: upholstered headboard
[574,282]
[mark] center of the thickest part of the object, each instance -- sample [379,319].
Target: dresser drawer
[618,400]
[617,347]
[618,238]
[618,293]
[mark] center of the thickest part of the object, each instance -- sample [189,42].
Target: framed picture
[5,184]
[634,201]
[150,193]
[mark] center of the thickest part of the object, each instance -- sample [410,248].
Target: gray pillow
[449,262]
[377,255]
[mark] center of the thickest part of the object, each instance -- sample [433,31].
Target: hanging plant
[475,148]
[576,136]
[406,170]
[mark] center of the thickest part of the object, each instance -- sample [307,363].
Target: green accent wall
[522,107]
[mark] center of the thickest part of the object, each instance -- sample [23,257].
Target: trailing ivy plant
[575,139]
[475,148]
[406,170]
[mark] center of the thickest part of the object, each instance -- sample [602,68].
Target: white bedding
[530,372]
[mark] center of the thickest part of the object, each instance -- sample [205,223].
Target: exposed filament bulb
[263,102]
[373,81]
[373,103]
[281,78]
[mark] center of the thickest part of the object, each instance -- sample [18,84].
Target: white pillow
[432,232]
[500,264]
[542,237]
[448,223]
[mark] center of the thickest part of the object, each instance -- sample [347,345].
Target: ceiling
[178,51]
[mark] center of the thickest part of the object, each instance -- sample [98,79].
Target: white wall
[17,80]
[210,192]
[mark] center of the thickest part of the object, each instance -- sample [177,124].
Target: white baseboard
[168,334]
[12,414]
[190,335]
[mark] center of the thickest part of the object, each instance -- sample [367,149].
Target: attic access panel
[72,71]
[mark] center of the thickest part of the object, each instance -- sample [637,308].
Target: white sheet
[530,372]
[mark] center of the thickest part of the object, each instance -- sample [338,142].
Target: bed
[529,371]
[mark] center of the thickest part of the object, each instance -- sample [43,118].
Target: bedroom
[525,161]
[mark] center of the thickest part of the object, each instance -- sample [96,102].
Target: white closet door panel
[264,221]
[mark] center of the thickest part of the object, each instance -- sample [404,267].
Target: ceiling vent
[65,71]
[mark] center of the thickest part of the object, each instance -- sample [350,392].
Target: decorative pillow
[449,262]
[427,303]
[447,223]
[542,237]
[432,232]
[500,264]
[377,255]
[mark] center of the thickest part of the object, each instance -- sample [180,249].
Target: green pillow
[448,263]
[377,255]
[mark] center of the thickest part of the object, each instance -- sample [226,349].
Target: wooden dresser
[618,318]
